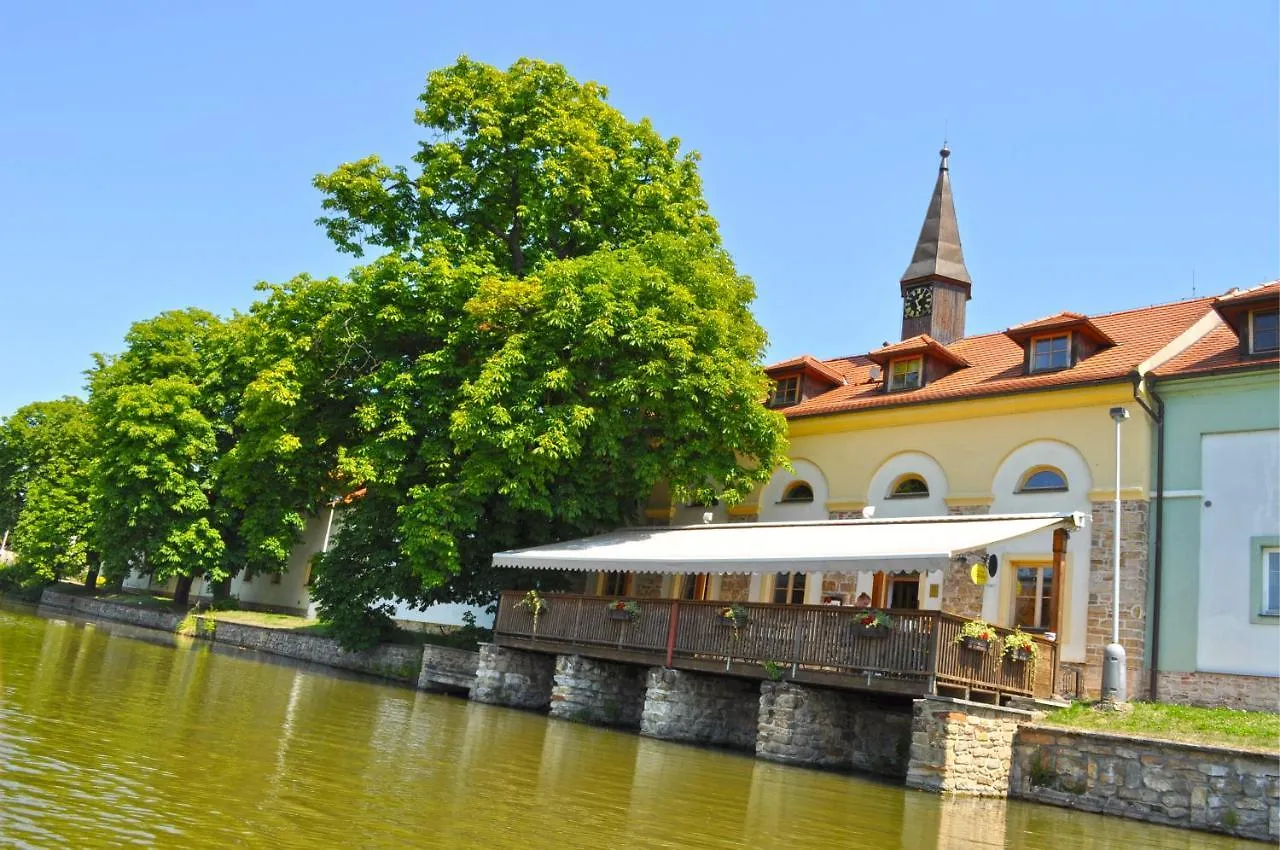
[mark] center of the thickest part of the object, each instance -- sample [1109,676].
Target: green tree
[45,488]
[551,329]
[162,411]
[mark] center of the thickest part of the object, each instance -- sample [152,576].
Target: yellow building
[943,423]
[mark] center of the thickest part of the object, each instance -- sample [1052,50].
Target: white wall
[935,504]
[1073,601]
[1241,500]
[774,510]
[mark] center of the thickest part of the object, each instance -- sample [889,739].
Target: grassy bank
[1218,726]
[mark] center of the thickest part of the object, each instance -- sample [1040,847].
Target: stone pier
[804,725]
[700,708]
[513,677]
[602,693]
[962,747]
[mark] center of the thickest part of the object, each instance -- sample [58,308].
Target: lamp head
[1119,414]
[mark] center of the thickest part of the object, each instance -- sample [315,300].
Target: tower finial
[944,153]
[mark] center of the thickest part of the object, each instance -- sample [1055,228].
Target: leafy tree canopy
[552,329]
[46,451]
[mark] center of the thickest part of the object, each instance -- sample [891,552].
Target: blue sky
[157,157]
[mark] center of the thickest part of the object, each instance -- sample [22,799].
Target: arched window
[908,487]
[1043,479]
[798,491]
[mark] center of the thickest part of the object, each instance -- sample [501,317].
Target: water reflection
[108,739]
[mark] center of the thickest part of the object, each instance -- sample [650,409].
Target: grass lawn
[268,620]
[1221,726]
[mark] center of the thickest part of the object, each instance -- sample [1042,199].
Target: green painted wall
[1193,407]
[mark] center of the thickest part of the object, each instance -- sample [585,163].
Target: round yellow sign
[978,572]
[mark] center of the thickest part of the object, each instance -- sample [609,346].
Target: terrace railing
[918,653]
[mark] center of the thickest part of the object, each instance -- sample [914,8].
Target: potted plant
[875,624]
[976,635]
[535,605]
[735,616]
[624,609]
[1020,646]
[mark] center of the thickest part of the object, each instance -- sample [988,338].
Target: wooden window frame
[787,497]
[1253,331]
[790,588]
[1055,601]
[791,396]
[901,480]
[700,582]
[1036,470]
[891,580]
[894,378]
[628,583]
[1049,338]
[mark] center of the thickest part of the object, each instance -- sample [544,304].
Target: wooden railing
[919,649]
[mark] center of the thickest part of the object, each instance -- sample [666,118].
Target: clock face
[917,302]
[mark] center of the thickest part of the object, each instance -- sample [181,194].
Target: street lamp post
[1114,686]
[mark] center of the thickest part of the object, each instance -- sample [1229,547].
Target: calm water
[115,736]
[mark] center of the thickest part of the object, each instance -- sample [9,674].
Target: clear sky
[156,156]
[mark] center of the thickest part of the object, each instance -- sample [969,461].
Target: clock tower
[936,286]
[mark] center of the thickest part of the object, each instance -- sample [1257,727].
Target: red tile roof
[807,363]
[997,363]
[1261,292]
[1217,351]
[919,344]
[1062,321]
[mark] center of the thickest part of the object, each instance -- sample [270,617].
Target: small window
[1265,334]
[616,584]
[276,578]
[1051,352]
[786,391]
[788,588]
[1043,480]
[799,491]
[906,374]
[1271,582]
[1035,602]
[909,487]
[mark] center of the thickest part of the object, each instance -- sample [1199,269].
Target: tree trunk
[91,578]
[182,593]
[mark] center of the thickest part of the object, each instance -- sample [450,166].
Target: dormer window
[1049,353]
[906,374]
[1264,331]
[786,392]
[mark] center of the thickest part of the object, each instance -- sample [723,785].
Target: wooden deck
[818,644]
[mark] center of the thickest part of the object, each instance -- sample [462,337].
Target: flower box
[876,632]
[976,644]
[729,621]
[1019,654]
[619,614]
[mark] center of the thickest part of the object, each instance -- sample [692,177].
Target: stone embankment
[1188,785]
[400,663]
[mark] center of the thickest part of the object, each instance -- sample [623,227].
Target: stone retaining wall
[446,668]
[513,677]
[805,725]
[700,708]
[148,618]
[1200,787]
[962,747]
[389,661]
[602,693]
[1220,690]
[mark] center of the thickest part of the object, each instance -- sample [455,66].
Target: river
[112,735]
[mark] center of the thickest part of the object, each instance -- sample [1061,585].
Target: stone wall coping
[1013,713]
[1130,741]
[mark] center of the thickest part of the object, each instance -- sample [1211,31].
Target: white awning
[841,546]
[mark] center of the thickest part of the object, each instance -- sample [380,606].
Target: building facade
[1217,640]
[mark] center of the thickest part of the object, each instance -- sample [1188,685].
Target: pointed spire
[938,252]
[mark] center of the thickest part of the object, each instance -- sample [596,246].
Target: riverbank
[1228,790]
[397,662]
